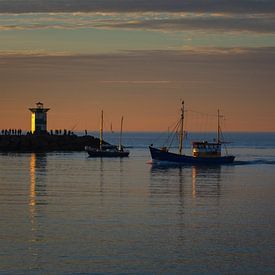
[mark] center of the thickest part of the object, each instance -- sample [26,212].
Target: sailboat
[108,150]
[203,152]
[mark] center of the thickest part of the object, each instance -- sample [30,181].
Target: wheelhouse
[206,149]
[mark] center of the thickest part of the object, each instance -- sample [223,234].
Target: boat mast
[101,131]
[219,128]
[181,128]
[120,136]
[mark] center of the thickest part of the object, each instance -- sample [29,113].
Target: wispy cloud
[235,6]
[158,21]
[201,22]
[153,82]
[34,53]
[141,56]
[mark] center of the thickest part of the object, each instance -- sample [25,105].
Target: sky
[138,59]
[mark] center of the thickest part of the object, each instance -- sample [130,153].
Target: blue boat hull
[164,156]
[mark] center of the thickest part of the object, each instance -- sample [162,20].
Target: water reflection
[103,171]
[101,177]
[37,202]
[38,163]
[206,180]
[167,180]
[38,192]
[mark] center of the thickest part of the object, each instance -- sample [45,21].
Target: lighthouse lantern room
[39,119]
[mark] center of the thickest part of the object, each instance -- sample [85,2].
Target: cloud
[201,22]
[231,6]
[135,82]
[34,53]
[141,56]
[158,21]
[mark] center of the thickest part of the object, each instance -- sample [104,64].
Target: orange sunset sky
[138,62]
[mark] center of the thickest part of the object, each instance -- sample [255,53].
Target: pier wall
[46,143]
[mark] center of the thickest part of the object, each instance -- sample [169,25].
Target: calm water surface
[65,213]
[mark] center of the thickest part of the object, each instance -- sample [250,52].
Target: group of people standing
[11,132]
[65,132]
[19,132]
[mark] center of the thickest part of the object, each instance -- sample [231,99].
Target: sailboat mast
[218,130]
[120,136]
[101,131]
[181,128]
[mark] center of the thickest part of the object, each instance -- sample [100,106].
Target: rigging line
[221,133]
[201,113]
[175,133]
[206,124]
[199,121]
[164,133]
[75,125]
[159,137]
[172,133]
[225,147]
[185,127]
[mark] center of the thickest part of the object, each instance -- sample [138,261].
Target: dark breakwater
[46,143]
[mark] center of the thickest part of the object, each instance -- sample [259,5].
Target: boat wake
[254,162]
[235,163]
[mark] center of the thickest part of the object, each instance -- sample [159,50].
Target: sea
[66,213]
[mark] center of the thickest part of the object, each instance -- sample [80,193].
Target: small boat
[203,152]
[107,150]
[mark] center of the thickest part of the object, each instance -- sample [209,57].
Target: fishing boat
[108,150]
[203,152]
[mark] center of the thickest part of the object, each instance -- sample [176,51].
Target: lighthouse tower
[39,119]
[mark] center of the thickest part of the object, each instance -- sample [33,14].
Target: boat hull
[164,156]
[107,154]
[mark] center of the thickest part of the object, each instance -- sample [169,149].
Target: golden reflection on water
[32,181]
[32,210]
[206,181]
[194,178]
[37,192]
[37,164]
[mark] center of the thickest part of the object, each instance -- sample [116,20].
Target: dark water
[65,213]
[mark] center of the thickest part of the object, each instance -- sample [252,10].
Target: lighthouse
[39,119]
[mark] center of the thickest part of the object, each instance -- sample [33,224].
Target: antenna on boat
[219,133]
[101,131]
[218,127]
[181,127]
[111,128]
[120,136]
